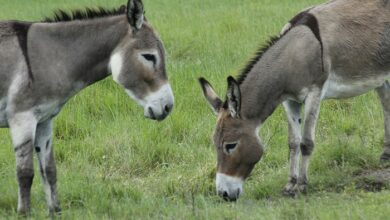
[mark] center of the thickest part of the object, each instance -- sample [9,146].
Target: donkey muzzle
[159,117]
[229,187]
[159,104]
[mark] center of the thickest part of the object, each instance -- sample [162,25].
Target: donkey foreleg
[22,127]
[312,109]
[293,112]
[44,150]
[384,95]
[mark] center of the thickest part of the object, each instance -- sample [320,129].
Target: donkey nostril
[151,113]
[167,108]
[225,195]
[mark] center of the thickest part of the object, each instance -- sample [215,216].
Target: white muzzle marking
[229,187]
[157,105]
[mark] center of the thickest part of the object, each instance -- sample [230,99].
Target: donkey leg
[44,150]
[384,95]
[293,111]
[312,109]
[22,127]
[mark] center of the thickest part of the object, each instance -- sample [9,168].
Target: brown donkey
[339,49]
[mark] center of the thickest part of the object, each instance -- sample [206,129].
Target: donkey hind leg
[312,109]
[22,127]
[293,111]
[384,95]
[44,150]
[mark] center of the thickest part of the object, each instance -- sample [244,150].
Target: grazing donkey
[338,49]
[44,64]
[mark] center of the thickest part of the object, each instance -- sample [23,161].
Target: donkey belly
[338,88]
[42,112]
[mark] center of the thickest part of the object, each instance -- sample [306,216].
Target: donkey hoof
[290,191]
[55,211]
[290,194]
[384,158]
[302,188]
[58,210]
[24,212]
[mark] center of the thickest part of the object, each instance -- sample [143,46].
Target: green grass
[114,164]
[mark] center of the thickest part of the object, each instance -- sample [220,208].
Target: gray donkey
[44,64]
[338,49]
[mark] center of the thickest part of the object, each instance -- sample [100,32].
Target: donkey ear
[233,97]
[135,13]
[210,95]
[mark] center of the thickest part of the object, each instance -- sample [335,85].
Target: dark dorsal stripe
[21,30]
[303,18]
[84,14]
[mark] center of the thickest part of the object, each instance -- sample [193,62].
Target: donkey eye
[150,58]
[230,147]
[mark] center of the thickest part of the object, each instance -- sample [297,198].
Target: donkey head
[138,64]
[235,138]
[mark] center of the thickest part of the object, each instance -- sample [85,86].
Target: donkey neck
[289,68]
[261,93]
[82,48]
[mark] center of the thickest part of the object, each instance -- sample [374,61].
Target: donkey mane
[259,53]
[84,14]
[303,18]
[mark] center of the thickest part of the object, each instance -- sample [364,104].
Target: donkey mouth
[153,116]
[229,199]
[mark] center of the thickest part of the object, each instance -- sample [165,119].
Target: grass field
[114,164]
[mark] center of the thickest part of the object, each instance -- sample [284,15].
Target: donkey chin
[229,187]
[157,105]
